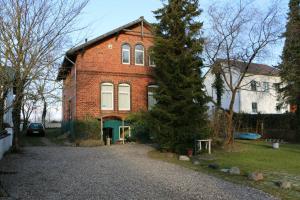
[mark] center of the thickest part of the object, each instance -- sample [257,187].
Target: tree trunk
[16,116]
[44,111]
[25,121]
[229,115]
[229,136]
[16,121]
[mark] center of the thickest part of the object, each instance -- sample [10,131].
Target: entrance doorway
[107,133]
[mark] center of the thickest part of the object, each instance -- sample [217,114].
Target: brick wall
[102,63]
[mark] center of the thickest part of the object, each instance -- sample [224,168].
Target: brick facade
[101,62]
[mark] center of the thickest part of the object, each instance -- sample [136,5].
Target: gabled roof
[110,33]
[254,68]
[70,56]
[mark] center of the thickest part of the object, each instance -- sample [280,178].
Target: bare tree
[28,106]
[239,34]
[30,31]
[48,89]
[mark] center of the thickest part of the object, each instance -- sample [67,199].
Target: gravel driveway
[116,172]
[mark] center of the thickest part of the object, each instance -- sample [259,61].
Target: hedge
[275,126]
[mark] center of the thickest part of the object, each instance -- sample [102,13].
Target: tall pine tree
[290,67]
[179,116]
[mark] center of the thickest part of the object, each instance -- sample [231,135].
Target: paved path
[117,172]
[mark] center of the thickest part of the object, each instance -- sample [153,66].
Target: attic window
[139,54]
[125,54]
[151,61]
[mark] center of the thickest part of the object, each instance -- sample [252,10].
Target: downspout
[75,82]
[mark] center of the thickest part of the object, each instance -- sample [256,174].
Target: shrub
[139,127]
[275,126]
[89,128]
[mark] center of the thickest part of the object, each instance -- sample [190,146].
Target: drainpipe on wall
[101,129]
[123,130]
[101,119]
[75,82]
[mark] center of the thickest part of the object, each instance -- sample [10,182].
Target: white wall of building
[266,100]
[225,101]
[9,102]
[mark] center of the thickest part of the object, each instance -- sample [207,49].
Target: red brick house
[109,77]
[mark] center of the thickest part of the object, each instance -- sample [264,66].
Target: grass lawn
[250,156]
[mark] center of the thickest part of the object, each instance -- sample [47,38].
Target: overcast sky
[101,16]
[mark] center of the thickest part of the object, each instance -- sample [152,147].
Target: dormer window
[126,54]
[139,54]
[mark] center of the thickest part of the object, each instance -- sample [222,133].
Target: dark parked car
[36,129]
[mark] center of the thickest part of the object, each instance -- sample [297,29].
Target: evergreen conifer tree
[179,116]
[290,67]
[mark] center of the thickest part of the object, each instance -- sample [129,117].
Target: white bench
[207,145]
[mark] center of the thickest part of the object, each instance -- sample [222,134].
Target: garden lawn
[250,156]
[253,155]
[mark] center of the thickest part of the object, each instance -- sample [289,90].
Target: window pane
[266,86]
[126,46]
[124,102]
[106,101]
[125,57]
[124,88]
[139,54]
[253,85]
[254,107]
[107,88]
[126,54]
[124,97]
[107,96]
[151,62]
[139,58]
[151,100]
[139,47]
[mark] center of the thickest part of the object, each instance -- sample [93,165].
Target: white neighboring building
[8,102]
[258,93]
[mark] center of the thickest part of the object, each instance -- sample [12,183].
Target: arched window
[107,96]
[139,54]
[124,97]
[151,99]
[151,61]
[125,54]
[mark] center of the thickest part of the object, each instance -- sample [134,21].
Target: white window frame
[152,93]
[129,95]
[120,129]
[266,89]
[256,107]
[107,92]
[127,51]
[150,62]
[135,51]
[255,85]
